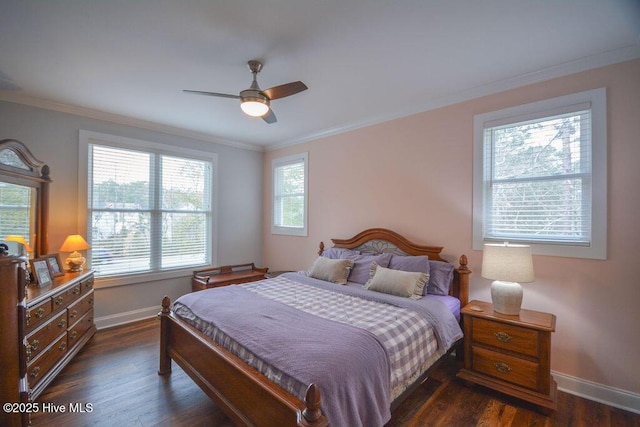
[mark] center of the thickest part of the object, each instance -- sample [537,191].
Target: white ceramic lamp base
[506,297]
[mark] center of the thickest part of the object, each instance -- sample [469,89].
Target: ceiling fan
[255,101]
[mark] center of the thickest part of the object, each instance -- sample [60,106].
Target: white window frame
[88,137]
[597,98]
[275,164]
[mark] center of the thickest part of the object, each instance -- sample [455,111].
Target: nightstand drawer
[516,371]
[507,337]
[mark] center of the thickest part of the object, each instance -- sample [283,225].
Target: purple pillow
[339,253]
[361,271]
[440,272]
[410,263]
[441,277]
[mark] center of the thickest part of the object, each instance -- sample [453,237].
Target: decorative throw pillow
[360,272]
[331,270]
[395,282]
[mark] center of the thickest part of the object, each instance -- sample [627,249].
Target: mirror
[24,196]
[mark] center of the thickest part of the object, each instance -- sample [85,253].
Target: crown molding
[19,98]
[572,67]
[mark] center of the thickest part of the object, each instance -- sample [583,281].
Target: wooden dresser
[510,354]
[42,330]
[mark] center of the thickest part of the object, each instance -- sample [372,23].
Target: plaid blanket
[406,336]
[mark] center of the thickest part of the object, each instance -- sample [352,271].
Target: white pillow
[395,282]
[331,270]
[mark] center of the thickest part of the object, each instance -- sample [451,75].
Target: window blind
[149,211]
[289,194]
[537,179]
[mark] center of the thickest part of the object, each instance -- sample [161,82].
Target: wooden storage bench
[226,275]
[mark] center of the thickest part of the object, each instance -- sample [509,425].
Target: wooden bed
[244,394]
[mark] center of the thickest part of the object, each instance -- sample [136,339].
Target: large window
[290,195]
[149,208]
[540,176]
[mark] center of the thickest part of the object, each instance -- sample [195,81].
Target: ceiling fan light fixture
[254,107]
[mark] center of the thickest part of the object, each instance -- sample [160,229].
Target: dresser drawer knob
[503,336]
[34,372]
[73,314]
[59,300]
[502,367]
[40,312]
[62,323]
[34,345]
[76,290]
[73,335]
[62,346]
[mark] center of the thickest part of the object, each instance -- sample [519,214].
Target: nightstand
[510,354]
[226,275]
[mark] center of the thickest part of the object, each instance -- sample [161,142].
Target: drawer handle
[73,335]
[73,314]
[62,323]
[62,346]
[34,345]
[76,290]
[34,372]
[502,336]
[40,312]
[59,300]
[502,367]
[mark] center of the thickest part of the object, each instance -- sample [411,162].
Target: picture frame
[40,271]
[56,268]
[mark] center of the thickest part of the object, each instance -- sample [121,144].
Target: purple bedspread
[355,376]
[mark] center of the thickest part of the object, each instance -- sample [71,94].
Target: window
[290,195]
[149,208]
[540,176]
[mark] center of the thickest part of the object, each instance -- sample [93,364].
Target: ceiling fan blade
[286,89]
[270,117]
[221,95]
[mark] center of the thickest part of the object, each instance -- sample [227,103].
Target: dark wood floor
[116,374]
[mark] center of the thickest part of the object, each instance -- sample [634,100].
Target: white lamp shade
[508,263]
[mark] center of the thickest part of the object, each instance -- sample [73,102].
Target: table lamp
[507,265]
[20,239]
[73,244]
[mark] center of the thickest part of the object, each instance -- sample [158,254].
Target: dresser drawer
[508,368]
[41,338]
[41,365]
[80,328]
[507,337]
[63,299]
[38,314]
[87,284]
[80,307]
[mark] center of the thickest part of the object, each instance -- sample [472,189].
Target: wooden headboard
[381,240]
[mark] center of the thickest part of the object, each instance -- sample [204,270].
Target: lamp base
[75,262]
[506,297]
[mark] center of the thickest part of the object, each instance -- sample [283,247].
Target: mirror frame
[34,175]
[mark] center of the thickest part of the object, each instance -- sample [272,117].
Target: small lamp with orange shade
[73,244]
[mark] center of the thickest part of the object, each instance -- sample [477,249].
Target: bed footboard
[244,394]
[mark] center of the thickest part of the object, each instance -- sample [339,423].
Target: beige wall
[413,175]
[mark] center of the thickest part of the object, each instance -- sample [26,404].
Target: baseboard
[126,317]
[597,392]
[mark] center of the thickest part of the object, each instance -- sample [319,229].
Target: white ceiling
[364,61]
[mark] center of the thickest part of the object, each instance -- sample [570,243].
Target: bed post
[463,273]
[321,248]
[165,360]
[312,414]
